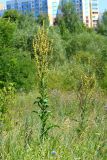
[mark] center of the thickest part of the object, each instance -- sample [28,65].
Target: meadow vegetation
[53,88]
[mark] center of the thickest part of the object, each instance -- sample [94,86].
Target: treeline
[77,50]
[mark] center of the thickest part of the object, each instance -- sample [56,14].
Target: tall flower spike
[42,48]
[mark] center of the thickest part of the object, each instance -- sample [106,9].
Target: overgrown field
[53,87]
[20,139]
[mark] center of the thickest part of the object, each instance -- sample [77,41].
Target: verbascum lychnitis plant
[42,49]
[85,85]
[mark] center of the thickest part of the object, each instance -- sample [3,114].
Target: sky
[102,4]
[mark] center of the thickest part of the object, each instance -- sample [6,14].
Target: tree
[15,66]
[24,34]
[102,26]
[69,19]
[6,33]
[104,19]
[11,15]
[58,56]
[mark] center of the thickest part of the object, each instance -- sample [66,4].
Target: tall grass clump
[6,101]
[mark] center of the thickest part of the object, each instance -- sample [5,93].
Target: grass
[20,136]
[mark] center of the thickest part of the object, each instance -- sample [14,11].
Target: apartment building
[37,7]
[94,12]
[87,10]
[53,6]
[20,5]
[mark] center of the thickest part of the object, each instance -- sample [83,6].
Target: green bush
[17,68]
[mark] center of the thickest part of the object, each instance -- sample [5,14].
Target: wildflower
[53,152]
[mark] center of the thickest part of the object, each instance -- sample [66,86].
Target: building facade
[90,12]
[87,10]
[53,6]
[1,9]
[36,7]
[20,5]
[94,13]
[1,6]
